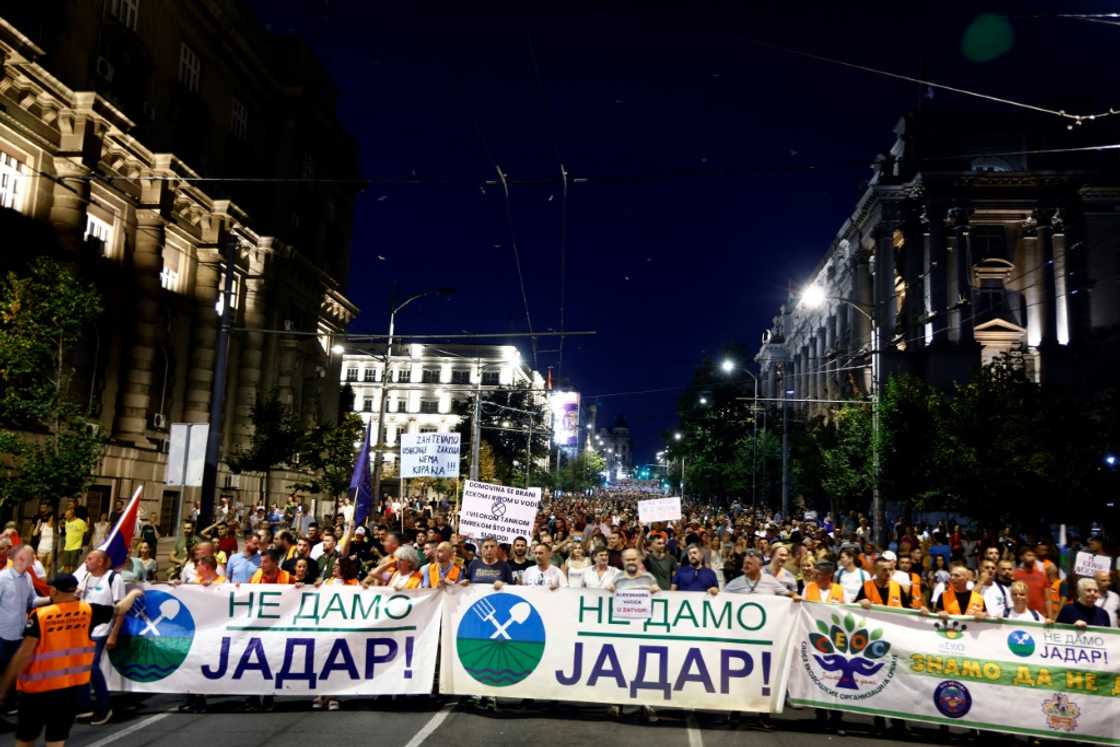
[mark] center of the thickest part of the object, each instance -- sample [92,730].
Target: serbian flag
[119,543]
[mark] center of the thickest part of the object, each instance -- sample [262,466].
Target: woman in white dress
[45,549]
[715,558]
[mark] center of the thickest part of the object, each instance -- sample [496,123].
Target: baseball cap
[64,582]
[888,555]
[360,531]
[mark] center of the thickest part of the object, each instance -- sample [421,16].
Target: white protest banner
[726,652]
[1087,564]
[1010,676]
[430,455]
[498,511]
[278,640]
[633,604]
[659,509]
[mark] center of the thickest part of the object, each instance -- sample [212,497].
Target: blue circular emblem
[155,637]
[952,699]
[500,640]
[1021,643]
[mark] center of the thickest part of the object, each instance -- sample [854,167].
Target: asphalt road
[411,722]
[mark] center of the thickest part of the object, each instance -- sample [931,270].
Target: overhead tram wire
[517,260]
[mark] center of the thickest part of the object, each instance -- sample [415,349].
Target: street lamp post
[814,297]
[379,453]
[728,366]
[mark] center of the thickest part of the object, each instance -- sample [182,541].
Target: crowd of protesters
[578,542]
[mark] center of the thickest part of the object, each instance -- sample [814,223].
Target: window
[367,405]
[168,278]
[429,429]
[98,230]
[352,374]
[491,378]
[394,404]
[11,182]
[461,376]
[235,291]
[370,374]
[988,242]
[431,376]
[189,68]
[239,120]
[429,406]
[125,11]
[404,375]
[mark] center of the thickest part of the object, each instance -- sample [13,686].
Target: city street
[412,722]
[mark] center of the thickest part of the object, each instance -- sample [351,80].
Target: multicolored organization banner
[725,652]
[1051,681]
[278,640]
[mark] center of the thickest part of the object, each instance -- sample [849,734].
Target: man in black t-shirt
[519,559]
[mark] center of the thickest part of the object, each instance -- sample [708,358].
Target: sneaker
[332,705]
[317,703]
[103,719]
[84,715]
[650,714]
[614,712]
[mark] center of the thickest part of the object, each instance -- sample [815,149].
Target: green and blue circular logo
[500,640]
[155,638]
[1021,643]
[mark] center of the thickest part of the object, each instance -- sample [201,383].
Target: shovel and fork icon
[518,614]
[168,610]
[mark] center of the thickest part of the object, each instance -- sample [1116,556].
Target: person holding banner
[407,575]
[1109,600]
[632,575]
[694,576]
[1084,612]
[754,581]
[1019,610]
[958,599]
[270,571]
[544,573]
[815,590]
[442,570]
[881,589]
[598,576]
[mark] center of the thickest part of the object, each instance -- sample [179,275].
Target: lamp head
[813,296]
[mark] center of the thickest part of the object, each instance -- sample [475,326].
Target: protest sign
[659,509]
[498,511]
[632,604]
[1087,564]
[430,455]
[1010,676]
[277,640]
[695,651]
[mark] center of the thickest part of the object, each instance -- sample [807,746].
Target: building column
[1048,271]
[147,262]
[285,385]
[205,340]
[962,297]
[937,265]
[884,312]
[68,204]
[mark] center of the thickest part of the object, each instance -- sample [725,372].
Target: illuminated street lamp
[727,366]
[677,436]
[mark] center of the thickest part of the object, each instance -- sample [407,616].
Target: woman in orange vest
[822,579]
[407,575]
[956,590]
[344,572]
[54,661]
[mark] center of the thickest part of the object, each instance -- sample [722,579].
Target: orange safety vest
[894,593]
[915,591]
[813,593]
[414,580]
[953,606]
[1056,593]
[452,575]
[64,656]
[282,577]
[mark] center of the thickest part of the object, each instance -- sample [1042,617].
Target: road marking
[430,727]
[130,730]
[695,738]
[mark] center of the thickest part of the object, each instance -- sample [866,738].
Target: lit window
[235,291]
[11,182]
[125,11]
[168,278]
[98,230]
[189,68]
[370,375]
[239,120]
[351,374]
[404,375]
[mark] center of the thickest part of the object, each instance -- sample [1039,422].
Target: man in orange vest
[822,588]
[443,570]
[270,571]
[53,663]
[882,589]
[905,565]
[958,599]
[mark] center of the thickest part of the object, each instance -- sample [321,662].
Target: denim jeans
[100,699]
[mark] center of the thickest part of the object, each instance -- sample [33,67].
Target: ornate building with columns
[119,121]
[977,235]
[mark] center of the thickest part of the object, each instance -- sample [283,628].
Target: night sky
[717,170]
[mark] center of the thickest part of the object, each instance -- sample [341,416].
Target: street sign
[186,454]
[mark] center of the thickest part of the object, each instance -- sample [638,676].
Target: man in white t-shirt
[544,573]
[1108,600]
[849,576]
[98,584]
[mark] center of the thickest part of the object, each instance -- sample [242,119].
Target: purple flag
[360,481]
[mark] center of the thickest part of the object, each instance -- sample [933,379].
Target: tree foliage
[327,454]
[581,473]
[49,449]
[508,416]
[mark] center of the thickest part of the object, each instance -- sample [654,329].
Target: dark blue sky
[718,170]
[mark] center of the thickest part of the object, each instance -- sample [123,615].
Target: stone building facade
[427,381]
[976,236]
[118,122]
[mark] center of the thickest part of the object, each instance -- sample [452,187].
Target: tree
[277,433]
[49,448]
[327,454]
[582,473]
[845,458]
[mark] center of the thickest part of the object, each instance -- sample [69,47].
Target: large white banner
[278,640]
[430,455]
[1016,677]
[695,651]
[659,509]
[499,511]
